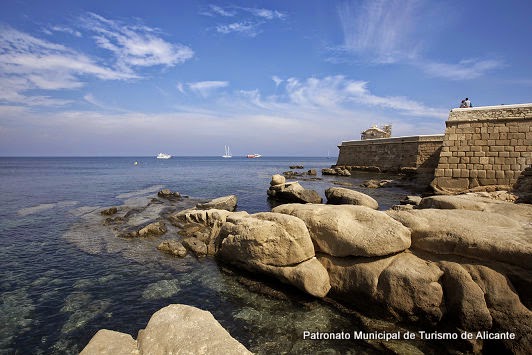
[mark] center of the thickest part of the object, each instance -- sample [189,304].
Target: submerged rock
[173,247]
[109,212]
[350,230]
[169,194]
[342,196]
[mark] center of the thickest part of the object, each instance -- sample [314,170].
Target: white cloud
[27,62]
[205,88]
[246,28]
[250,19]
[135,45]
[379,30]
[63,29]
[277,80]
[180,87]
[218,10]
[265,13]
[465,69]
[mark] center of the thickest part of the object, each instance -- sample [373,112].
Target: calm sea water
[56,292]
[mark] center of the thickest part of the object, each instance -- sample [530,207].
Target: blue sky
[273,77]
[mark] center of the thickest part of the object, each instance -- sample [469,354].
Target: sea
[58,287]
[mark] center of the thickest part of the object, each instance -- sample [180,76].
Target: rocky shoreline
[441,262]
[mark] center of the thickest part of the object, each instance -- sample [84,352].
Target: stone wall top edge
[481,108]
[405,139]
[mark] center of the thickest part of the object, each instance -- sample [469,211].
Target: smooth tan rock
[478,234]
[196,246]
[350,230]
[342,196]
[506,309]
[294,192]
[109,342]
[277,180]
[309,276]
[402,284]
[266,238]
[227,203]
[453,202]
[181,329]
[409,287]
[464,299]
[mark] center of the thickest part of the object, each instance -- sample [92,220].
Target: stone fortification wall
[392,154]
[484,146]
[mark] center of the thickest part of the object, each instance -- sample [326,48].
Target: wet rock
[110,342]
[109,212]
[297,167]
[153,229]
[336,171]
[196,246]
[173,247]
[375,184]
[350,230]
[294,192]
[169,194]
[205,217]
[411,200]
[342,196]
[312,172]
[227,203]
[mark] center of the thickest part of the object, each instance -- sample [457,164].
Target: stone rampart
[392,154]
[484,146]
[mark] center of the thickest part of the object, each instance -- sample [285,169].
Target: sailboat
[227,152]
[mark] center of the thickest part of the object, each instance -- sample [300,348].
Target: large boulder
[461,202]
[274,244]
[506,309]
[267,238]
[402,284]
[478,234]
[227,203]
[174,329]
[464,299]
[294,192]
[182,329]
[109,342]
[342,196]
[350,230]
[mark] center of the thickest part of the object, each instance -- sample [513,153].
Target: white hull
[163,156]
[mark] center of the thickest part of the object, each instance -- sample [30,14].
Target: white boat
[163,156]
[227,152]
[252,156]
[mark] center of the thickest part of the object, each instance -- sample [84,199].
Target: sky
[279,78]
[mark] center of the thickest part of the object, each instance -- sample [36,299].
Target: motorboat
[252,156]
[163,156]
